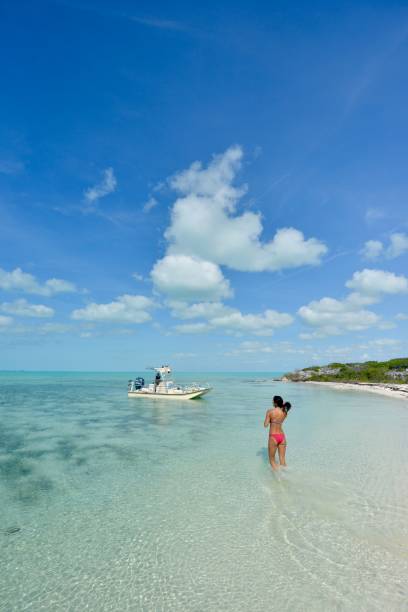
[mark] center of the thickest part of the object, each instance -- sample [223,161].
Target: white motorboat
[164,388]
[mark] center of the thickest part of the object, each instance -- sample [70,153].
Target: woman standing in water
[277,440]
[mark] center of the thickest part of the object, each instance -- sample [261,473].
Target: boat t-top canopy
[164,370]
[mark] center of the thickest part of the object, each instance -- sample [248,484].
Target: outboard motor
[139,383]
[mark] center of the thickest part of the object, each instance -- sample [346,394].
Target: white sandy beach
[391,390]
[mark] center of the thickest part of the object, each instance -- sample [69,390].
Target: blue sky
[221,187]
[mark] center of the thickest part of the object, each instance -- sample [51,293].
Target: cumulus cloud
[17,280]
[190,278]
[377,282]
[205,223]
[206,310]
[372,249]
[263,324]
[126,308]
[398,246]
[57,285]
[106,186]
[206,231]
[332,317]
[22,308]
[231,320]
[401,316]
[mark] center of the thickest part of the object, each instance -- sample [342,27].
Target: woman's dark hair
[286,407]
[278,401]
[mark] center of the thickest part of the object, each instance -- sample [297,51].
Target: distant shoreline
[388,389]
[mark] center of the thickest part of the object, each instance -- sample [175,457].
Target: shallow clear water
[109,503]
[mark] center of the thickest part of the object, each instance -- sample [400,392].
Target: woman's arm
[267,418]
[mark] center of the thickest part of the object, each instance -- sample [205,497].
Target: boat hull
[173,396]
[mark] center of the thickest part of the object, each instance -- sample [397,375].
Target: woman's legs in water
[282,453]
[272,446]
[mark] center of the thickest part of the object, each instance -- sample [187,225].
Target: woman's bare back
[274,418]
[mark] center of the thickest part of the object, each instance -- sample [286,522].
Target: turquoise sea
[110,503]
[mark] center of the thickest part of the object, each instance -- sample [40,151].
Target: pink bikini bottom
[278,437]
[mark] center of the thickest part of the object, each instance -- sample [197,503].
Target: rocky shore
[386,377]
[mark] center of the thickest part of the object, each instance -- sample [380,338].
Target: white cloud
[33,330]
[17,280]
[204,222]
[126,308]
[138,277]
[231,320]
[259,324]
[57,285]
[251,347]
[374,214]
[401,316]
[86,335]
[385,342]
[22,308]
[207,232]
[309,335]
[206,310]
[256,348]
[120,331]
[383,348]
[359,300]
[53,328]
[193,328]
[376,282]
[106,186]
[387,325]
[332,317]
[5,321]
[372,249]
[150,204]
[398,245]
[189,278]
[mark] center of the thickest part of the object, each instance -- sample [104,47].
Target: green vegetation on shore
[392,371]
